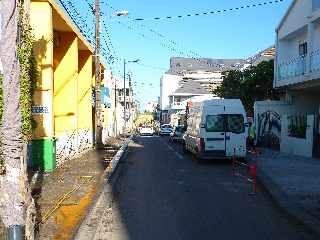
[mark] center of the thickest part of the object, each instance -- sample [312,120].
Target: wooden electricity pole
[98,125]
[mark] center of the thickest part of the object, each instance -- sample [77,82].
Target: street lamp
[125,92]
[123,13]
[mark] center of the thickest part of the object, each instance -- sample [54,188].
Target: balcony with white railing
[315,61]
[298,70]
[179,105]
[128,98]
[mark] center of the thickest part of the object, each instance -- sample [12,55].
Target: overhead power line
[157,33]
[210,12]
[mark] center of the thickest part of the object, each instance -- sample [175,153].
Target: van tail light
[202,144]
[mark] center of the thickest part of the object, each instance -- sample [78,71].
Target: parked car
[165,129]
[146,131]
[216,129]
[177,133]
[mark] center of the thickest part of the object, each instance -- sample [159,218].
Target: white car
[146,131]
[165,129]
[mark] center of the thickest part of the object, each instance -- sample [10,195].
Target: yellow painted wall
[41,23]
[85,90]
[65,83]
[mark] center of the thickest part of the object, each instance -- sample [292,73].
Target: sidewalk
[64,196]
[293,182]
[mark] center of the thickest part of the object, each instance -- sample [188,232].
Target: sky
[234,34]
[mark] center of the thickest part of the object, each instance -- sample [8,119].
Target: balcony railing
[315,61]
[293,68]
[299,66]
[178,105]
[128,99]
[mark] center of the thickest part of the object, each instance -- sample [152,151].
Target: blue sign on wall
[39,110]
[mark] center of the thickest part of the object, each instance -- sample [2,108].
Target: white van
[216,128]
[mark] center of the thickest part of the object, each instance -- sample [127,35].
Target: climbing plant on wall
[28,73]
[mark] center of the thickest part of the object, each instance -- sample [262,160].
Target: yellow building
[63,107]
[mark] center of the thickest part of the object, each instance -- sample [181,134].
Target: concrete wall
[66,84]
[297,17]
[270,119]
[297,146]
[41,23]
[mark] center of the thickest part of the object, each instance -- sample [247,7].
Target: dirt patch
[63,196]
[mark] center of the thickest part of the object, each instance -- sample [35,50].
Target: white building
[188,77]
[151,107]
[124,98]
[297,74]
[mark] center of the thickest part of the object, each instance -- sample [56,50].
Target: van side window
[215,123]
[235,123]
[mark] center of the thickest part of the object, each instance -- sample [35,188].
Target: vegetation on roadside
[28,78]
[28,74]
[250,85]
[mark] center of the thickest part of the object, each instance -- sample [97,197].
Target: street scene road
[163,194]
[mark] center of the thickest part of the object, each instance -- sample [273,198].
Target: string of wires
[155,32]
[210,12]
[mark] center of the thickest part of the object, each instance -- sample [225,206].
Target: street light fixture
[125,92]
[123,13]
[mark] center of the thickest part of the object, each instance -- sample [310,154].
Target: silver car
[165,129]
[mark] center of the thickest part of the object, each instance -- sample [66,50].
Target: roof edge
[286,14]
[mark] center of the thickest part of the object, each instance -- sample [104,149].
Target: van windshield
[225,123]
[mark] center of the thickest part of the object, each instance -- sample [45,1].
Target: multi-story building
[63,108]
[124,99]
[188,77]
[297,74]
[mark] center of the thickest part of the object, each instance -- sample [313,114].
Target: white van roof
[229,105]
[197,99]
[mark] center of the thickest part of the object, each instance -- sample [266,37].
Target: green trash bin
[44,154]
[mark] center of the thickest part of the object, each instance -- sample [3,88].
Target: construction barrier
[251,170]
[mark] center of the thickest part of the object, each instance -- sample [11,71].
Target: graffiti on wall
[269,129]
[70,145]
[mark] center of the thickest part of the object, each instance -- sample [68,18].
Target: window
[303,49]
[235,123]
[215,123]
[297,126]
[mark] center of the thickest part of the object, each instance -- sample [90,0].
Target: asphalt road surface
[163,193]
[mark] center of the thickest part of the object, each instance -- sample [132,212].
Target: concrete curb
[292,208]
[87,228]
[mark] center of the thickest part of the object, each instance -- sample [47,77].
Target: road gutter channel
[292,208]
[90,223]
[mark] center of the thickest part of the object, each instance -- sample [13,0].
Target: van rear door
[235,135]
[215,134]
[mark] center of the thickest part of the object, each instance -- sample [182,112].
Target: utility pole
[98,127]
[115,108]
[124,92]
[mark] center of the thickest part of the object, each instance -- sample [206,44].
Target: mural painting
[269,130]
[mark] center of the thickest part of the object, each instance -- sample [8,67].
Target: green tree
[250,85]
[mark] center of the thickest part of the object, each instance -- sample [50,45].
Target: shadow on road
[161,196]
